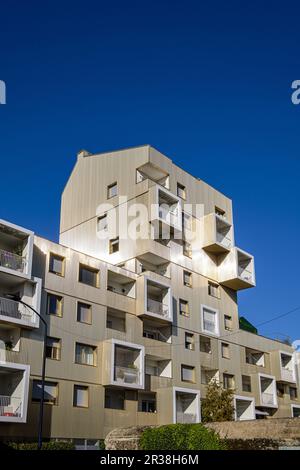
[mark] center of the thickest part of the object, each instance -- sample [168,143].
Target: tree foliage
[218,404]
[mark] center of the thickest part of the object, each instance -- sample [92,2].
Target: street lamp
[41,412]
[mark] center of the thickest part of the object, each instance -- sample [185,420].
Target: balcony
[16,245]
[186,405]
[244,408]
[14,313]
[218,234]
[157,300]
[14,381]
[268,391]
[165,213]
[124,364]
[237,270]
[287,367]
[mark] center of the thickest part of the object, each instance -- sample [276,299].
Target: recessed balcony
[287,367]
[268,393]
[157,300]
[186,406]
[124,364]
[16,245]
[237,270]
[218,234]
[14,381]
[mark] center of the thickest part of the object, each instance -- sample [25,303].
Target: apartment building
[141,300]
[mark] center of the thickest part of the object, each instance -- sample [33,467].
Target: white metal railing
[12,261]
[245,274]
[287,374]
[10,406]
[14,309]
[225,241]
[154,306]
[185,418]
[169,216]
[127,375]
[267,398]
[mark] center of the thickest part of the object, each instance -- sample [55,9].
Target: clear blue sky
[207,83]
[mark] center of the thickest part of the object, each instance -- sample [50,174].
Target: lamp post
[41,411]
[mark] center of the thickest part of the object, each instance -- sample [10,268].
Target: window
[254,357]
[189,341]
[85,354]
[246,383]
[184,308]
[188,373]
[81,396]
[57,264]
[147,402]
[187,249]
[187,279]
[293,393]
[84,313]
[54,305]
[205,344]
[213,289]
[50,392]
[220,212]
[116,320]
[53,348]
[280,389]
[181,191]
[225,350]
[113,245]
[114,399]
[228,322]
[228,381]
[88,275]
[102,223]
[210,320]
[112,190]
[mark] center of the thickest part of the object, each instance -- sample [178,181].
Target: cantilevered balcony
[16,245]
[124,364]
[268,394]
[244,408]
[14,380]
[165,213]
[237,270]
[217,234]
[15,313]
[287,367]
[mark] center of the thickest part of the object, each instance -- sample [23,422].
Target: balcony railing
[185,418]
[209,326]
[127,375]
[223,240]
[168,215]
[12,261]
[287,374]
[10,406]
[267,398]
[154,306]
[15,310]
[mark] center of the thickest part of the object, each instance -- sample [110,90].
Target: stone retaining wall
[285,431]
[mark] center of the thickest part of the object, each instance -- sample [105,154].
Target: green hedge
[181,437]
[51,445]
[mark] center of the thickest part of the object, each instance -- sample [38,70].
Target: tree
[218,404]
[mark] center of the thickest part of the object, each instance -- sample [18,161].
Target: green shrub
[50,445]
[101,444]
[181,437]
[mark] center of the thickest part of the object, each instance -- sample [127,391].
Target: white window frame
[217,323]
